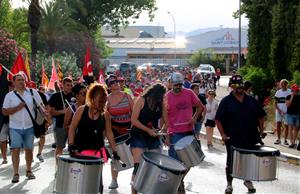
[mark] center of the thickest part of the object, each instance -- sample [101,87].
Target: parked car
[128,66]
[207,71]
[144,66]
[111,69]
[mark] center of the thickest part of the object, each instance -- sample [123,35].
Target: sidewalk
[289,155]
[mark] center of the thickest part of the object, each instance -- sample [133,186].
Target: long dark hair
[154,96]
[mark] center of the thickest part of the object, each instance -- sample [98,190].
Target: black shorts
[210,123]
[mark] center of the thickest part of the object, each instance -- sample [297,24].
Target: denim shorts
[61,137]
[292,120]
[140,143]
[4,133]
[22,138]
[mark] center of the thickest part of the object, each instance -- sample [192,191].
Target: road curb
[284,157]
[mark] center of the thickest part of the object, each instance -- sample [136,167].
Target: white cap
[176,78]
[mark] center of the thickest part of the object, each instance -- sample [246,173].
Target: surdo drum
[256,164]
[189,151]
[78,174]
[158,173]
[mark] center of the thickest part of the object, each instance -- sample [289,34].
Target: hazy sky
[190,15]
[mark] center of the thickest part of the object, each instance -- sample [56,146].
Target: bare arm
[13,110]
[108,132]
[289,102]
[74,124]
[221,130]
[165,115]
[68,119]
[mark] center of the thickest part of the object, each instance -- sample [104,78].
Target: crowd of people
[176,103]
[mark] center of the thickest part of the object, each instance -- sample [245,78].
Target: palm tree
[34,18]
[56,23]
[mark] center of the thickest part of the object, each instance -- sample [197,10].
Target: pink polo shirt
[180,110]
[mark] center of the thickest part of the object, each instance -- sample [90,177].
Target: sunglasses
[211,94]
[178,85]
[113,82]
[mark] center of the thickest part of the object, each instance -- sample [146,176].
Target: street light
[174,34]
[239,52]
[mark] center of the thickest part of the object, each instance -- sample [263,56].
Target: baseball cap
[236,79]
[295,87]
[176,78]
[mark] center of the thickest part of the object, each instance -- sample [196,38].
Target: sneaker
[210,146]
[228,189]
[113,185]
[285,142]
[4,162]
[250,187]
[15,178]
[40,157]
[277,141]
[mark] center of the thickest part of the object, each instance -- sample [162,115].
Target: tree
[295,63]
[206,57]
[95,13]
[5,11]
[259,34]
[34,17]
[283,38]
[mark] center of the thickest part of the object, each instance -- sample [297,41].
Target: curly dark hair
[154,96]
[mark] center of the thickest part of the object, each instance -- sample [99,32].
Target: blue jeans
[197,127]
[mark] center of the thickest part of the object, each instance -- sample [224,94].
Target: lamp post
[174,34]
[239,52]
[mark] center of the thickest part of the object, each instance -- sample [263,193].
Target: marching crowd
[175,103]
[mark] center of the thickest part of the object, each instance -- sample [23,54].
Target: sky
[189,15]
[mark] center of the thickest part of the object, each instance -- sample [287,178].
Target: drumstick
[70,106]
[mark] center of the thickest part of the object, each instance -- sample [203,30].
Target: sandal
[30,175]
[15,178]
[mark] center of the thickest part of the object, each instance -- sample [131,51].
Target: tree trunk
[34,17]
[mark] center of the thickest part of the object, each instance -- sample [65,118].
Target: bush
[296,77]
[67,62]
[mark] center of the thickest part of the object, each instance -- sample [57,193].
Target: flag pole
[7,70]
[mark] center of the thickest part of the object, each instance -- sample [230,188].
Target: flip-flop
[30,175]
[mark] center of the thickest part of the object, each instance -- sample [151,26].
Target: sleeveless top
[120,116]
[148,118]
[89,135]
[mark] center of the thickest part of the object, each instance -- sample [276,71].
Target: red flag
[19,67]
[101,77]
[0,69]
[87,68]
[54,77]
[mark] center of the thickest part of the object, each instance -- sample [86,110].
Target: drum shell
[191,155]
[157,179]
[77,177]
[124,152]
[249,166]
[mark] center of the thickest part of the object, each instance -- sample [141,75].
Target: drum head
[82,159]
[164,162]
[182,143]
[259,151]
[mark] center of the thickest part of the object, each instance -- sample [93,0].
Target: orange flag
[45,80]
[59,72]
[27,66]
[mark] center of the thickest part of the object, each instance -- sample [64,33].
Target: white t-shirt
[280,97]
[21,119]
[211,109]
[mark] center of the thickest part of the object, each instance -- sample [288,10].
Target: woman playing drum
[146,112]
[119,107]
[92,122]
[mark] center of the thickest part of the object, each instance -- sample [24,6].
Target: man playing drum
[178,113]
[240,122]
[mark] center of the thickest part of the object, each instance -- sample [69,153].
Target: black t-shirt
[44,98]
[240,120]
[56,102]
[294,108]
[203,101]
